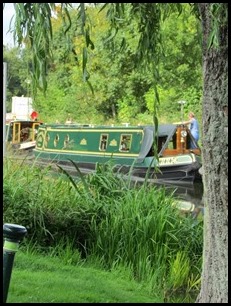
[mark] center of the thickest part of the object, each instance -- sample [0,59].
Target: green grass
[40,279]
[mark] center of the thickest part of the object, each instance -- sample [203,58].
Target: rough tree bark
[214,287]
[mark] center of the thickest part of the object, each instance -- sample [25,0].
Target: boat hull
[178,174]
[186,173]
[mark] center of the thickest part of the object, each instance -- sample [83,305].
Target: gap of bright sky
[8,13]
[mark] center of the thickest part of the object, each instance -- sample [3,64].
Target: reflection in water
[192,193]
[189,197]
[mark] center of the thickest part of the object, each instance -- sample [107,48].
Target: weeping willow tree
[33,27]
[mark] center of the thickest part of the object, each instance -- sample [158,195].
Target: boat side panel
[88,141]
[85,144]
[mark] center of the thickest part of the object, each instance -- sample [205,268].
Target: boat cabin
[176,140]
[21,134]
[133,141]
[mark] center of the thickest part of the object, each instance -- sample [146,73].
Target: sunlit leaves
[79,41]
[148,18]
[33,28]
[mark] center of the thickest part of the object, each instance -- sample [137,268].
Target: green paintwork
[83,143]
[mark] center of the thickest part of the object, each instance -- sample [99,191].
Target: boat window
[125,142]
[150,152]
[161,142]
[35,128]
[66,140]
[25,134]
[9,132]
[103,142]
[56,140]
[16,132]
[172,142]
[47,139]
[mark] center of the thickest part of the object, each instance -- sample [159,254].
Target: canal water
[191,193]
[189,197]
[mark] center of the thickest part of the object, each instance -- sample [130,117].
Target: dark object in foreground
[13,234]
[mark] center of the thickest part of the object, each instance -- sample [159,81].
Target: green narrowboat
[129,148]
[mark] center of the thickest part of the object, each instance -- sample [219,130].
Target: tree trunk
[214,286]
